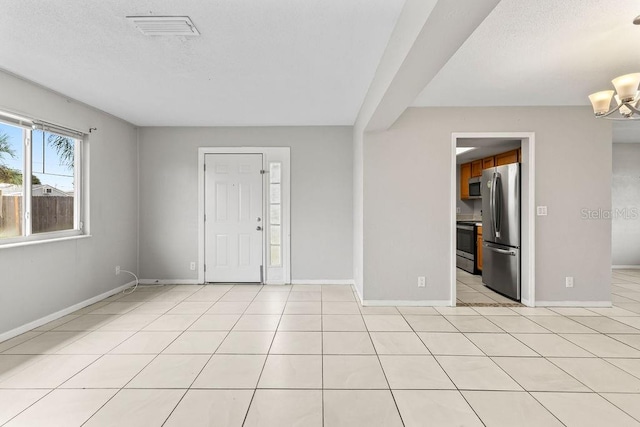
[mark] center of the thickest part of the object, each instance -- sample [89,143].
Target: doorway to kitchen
[244,215]
[498,258]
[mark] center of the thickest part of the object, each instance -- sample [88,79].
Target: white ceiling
[257,62]
[307,62]
[541,52]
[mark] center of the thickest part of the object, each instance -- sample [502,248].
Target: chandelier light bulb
[627,86]
[601,101]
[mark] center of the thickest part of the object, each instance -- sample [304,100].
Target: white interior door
[233,217]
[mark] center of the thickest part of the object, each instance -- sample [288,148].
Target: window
[275,213]
[47,203]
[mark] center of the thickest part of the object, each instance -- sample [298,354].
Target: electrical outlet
[192,266]
[541,210]
[117,270]
[422,281]
[568,281]
[457,210]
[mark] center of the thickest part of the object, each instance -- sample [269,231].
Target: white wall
[38,280]
[406,200]
[625,197]
[321,197]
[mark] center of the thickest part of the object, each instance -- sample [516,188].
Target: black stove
[466,236]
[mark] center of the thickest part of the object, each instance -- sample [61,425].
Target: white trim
[77,181]
[270,282]
[403,303]
[169,282]
[323,282]
[529,137]
[42,241]
[573,304]
[453,191]
[625,267]
[58,314]
[86,193]
[531,159]
[282,154]
[27,167]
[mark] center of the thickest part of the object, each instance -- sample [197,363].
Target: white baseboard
[526,302]
[58,314]
[625,267]
[169,282]
[402,303]
[573,304]
[322,282]
[293,282]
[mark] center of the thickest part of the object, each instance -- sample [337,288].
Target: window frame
[28,126]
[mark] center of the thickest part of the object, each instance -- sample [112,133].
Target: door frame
[272,275]
[528,210]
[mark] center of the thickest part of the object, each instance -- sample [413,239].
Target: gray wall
[39,280]
[625,194]
[407,175]
[358,212]
[321,197]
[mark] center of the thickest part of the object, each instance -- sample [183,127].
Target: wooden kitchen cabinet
[476,168]
[479,249]
[488,162]
[507,158]
[465,174]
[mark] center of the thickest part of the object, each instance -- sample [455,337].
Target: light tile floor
[470,290]
[224,355]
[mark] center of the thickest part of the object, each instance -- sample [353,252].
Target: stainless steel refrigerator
[501,229]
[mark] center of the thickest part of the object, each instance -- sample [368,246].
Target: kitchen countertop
[468,217]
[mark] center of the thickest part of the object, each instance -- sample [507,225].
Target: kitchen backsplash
[470,210]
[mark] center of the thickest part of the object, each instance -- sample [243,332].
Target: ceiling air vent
[164,25]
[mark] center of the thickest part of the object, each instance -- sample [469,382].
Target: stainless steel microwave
[474,188]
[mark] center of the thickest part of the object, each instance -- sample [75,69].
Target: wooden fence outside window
[48,213]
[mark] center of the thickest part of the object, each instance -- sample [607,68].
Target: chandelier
[626,98]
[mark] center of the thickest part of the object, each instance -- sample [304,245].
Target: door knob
[259,219]
[258,228]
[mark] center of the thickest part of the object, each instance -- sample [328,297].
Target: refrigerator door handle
[492,205]
[497,203]
[491,200]
[500,251]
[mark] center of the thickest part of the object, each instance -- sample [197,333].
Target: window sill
[43,241]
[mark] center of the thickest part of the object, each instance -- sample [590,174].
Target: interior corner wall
[407,173]
[625,197]
[321,196]
[358,220]
[42,279]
